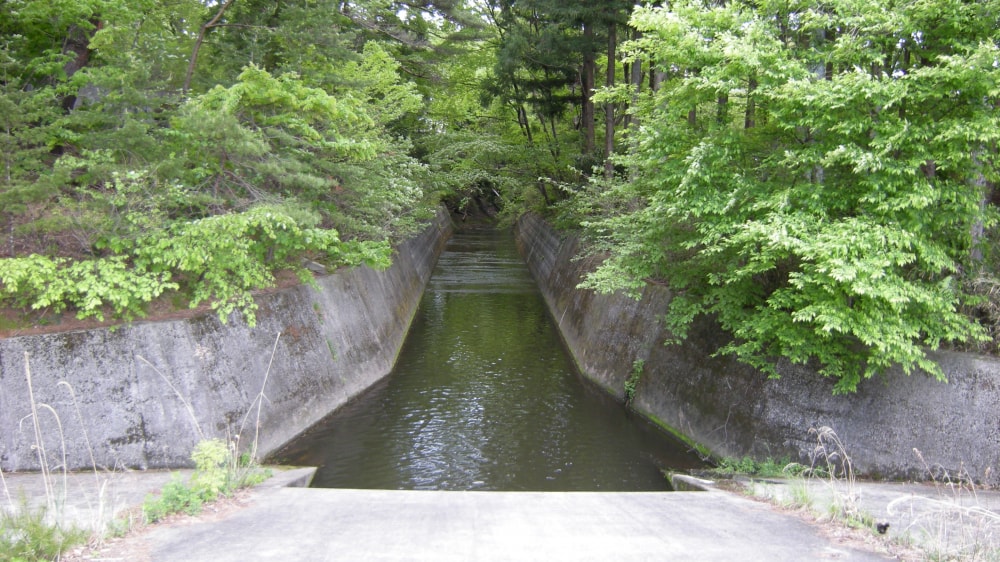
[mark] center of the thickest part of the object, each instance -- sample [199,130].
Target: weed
[121,526]
[210,476]
[27,534]
[176,497]
[220,468]
[39,443]
[632,383]
[219,472]
[745,465]
[954,525]
[830,462]
[799,494]
[41,528]
[190,410]
[768,468]
[12,323]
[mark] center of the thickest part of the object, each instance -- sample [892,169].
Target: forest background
[818,176]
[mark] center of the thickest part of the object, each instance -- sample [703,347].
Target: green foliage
[479,147]
[220,260]
[86,286]
[267,137]
[26,126]
[114,189]
[210,457]
[386,96]
[223,258]
[632,383]
[767,468]
[293,115]
[815,175]
[219,470]
[27,535]
[819,203]
[176,497]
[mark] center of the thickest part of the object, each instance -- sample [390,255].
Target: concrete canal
[485,397]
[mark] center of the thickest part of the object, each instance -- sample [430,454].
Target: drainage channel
[485,397]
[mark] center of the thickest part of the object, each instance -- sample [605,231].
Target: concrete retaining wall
[733,410]
[143,395]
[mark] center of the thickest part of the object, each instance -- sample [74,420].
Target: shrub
[177,497]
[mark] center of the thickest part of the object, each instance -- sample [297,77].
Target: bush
[177,497]
[219,259]
[218,472]
[211,458]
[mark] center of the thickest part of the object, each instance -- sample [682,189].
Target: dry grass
[48,529]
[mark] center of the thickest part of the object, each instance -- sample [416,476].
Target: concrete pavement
[283,523]
[313,524]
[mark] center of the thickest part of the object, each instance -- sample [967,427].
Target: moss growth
[767,468]
[701,450]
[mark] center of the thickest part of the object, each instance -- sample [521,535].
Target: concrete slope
[735,411]
[314,524]
[142,395]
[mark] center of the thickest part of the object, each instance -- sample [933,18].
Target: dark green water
[484,397]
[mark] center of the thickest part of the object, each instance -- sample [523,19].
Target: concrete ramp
[315,525]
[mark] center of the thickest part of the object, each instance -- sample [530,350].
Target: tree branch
[197,43]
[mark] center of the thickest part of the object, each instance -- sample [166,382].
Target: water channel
[485,397]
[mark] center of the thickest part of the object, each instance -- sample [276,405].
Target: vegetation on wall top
[817,176]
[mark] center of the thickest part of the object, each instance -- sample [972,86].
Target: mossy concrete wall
[143,395]
[733,410]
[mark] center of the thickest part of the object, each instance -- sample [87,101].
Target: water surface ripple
[484,397]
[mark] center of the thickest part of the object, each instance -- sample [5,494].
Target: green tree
[142,154]
[810,175]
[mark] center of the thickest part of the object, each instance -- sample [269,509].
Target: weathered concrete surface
[734,410]
[144,394]
[326,524]
[936,519]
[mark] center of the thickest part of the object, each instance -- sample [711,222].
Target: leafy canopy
[811,175]
[117,187]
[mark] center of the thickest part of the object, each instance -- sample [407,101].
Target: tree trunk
[540,184]
[636,79]
[985,189]
[750,119]
[588,81]
[197,44]
[609,108]
[656,77]
[77,44]
[522,115]
[555,138]
[722,109]
[522,120]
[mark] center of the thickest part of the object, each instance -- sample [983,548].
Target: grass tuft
[27,534]
[33,533]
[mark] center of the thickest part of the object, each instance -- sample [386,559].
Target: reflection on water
[484,397]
